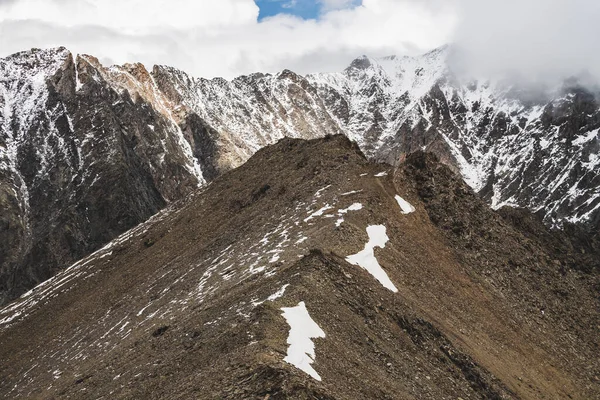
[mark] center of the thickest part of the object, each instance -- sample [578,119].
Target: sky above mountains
[227,37]
[231,37]
[306,9]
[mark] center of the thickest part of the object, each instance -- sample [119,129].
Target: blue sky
[306,9]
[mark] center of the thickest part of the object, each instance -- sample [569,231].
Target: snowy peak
[362,63]
[416,75]
[485,129]
[34,62]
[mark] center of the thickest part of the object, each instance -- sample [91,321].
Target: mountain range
[89,151]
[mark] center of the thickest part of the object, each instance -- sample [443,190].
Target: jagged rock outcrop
[412,286]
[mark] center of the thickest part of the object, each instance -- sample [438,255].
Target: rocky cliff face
[536,147]
[88,151]
[311,272]
[84,158]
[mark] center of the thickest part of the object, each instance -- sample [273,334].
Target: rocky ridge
[196,301]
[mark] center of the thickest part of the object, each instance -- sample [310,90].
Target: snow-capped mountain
[538,150]
[312,273]
[89,151]
[531,148]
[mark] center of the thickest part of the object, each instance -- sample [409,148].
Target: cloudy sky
[232,37]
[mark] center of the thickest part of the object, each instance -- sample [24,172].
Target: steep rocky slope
[88,151]
[530,147]
[412,286]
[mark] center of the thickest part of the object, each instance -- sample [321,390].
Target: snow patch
[318,213]
[302,240]
[591,135]
[301,350]
[342,212]
[278,294]
[366,258]
[320,191]
[272,297]
[406,207]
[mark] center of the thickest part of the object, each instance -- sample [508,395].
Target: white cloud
[134,16]
[538,39]
[223,38]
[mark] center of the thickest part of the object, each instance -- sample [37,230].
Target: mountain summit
[311,272]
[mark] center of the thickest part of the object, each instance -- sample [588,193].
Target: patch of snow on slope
[591,135]
[320,191]
[278,294]
[272,297]
[471,174]
[406,207]
[366,258]
[301,350]
[318,213]
[302,240]
[342,212]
